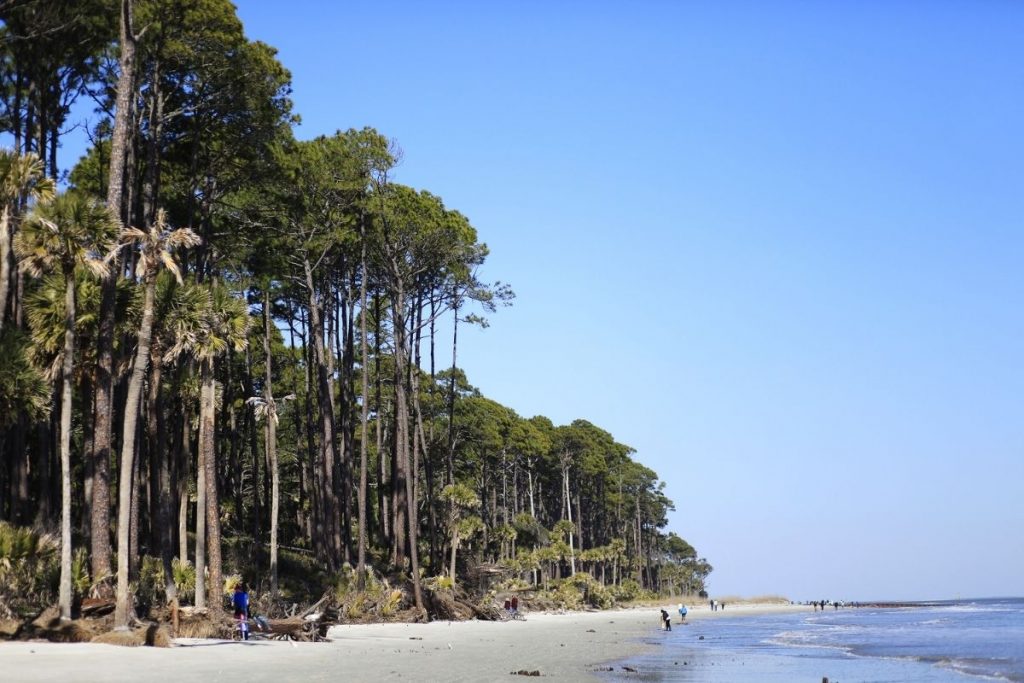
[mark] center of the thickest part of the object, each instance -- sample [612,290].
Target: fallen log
[305,630]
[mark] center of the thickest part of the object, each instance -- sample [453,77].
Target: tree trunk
[450,463]
[125,482]
[105,343]
[208,454]
[184,477]
[67,378]
[363,419]
[402,440]
[275,483]
[383,503]
[205,427]
[7,263]
[162,455]
[568,507]
[455,547]
[328,428]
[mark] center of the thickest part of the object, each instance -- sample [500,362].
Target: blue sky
[776,247]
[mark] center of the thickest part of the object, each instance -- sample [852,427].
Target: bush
[29,570]
[627,591]
[149,590]
[390,604]
[440,583]
[184,579]
[566,594]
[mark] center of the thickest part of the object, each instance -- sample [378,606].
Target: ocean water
[938,642]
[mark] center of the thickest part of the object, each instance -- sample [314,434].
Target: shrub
[627,591]
[184,579]
[391,603]
[440,583]
[149,589]
[29,569]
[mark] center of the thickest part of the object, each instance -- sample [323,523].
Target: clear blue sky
[776,247]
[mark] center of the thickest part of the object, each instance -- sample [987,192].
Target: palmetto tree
[63,234]
[206,334]
[157,246]
[460,499]
[21,177]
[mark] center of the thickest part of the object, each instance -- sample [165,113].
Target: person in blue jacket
[240,603]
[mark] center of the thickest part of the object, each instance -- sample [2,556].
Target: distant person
[822,605]
[835,604]
[682,612]
[515,605]
[722,605]
[666,620]
[240,603]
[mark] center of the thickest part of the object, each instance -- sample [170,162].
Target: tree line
[218,334]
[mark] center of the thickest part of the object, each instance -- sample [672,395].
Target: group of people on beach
[715,605]
[666,620]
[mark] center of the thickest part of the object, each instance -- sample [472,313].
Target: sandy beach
[573,646]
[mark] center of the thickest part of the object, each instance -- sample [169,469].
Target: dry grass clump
[49,626]
[152,635]
[8,627]
[201,625]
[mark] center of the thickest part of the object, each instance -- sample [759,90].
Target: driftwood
[293,628]
[96,607]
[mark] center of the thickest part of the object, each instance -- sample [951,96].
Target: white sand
[567,646]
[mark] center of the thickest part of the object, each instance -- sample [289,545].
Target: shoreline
[570,646]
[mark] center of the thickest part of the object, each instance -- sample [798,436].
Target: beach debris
[700,638]
[629,669]
[525,672]
[590,630]
[415,638]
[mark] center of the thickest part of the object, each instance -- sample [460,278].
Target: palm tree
[460,498]
[157,252]
[223,325]
[64,233]
[21,177]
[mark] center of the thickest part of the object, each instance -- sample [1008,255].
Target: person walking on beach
[682,612]
[666,620]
